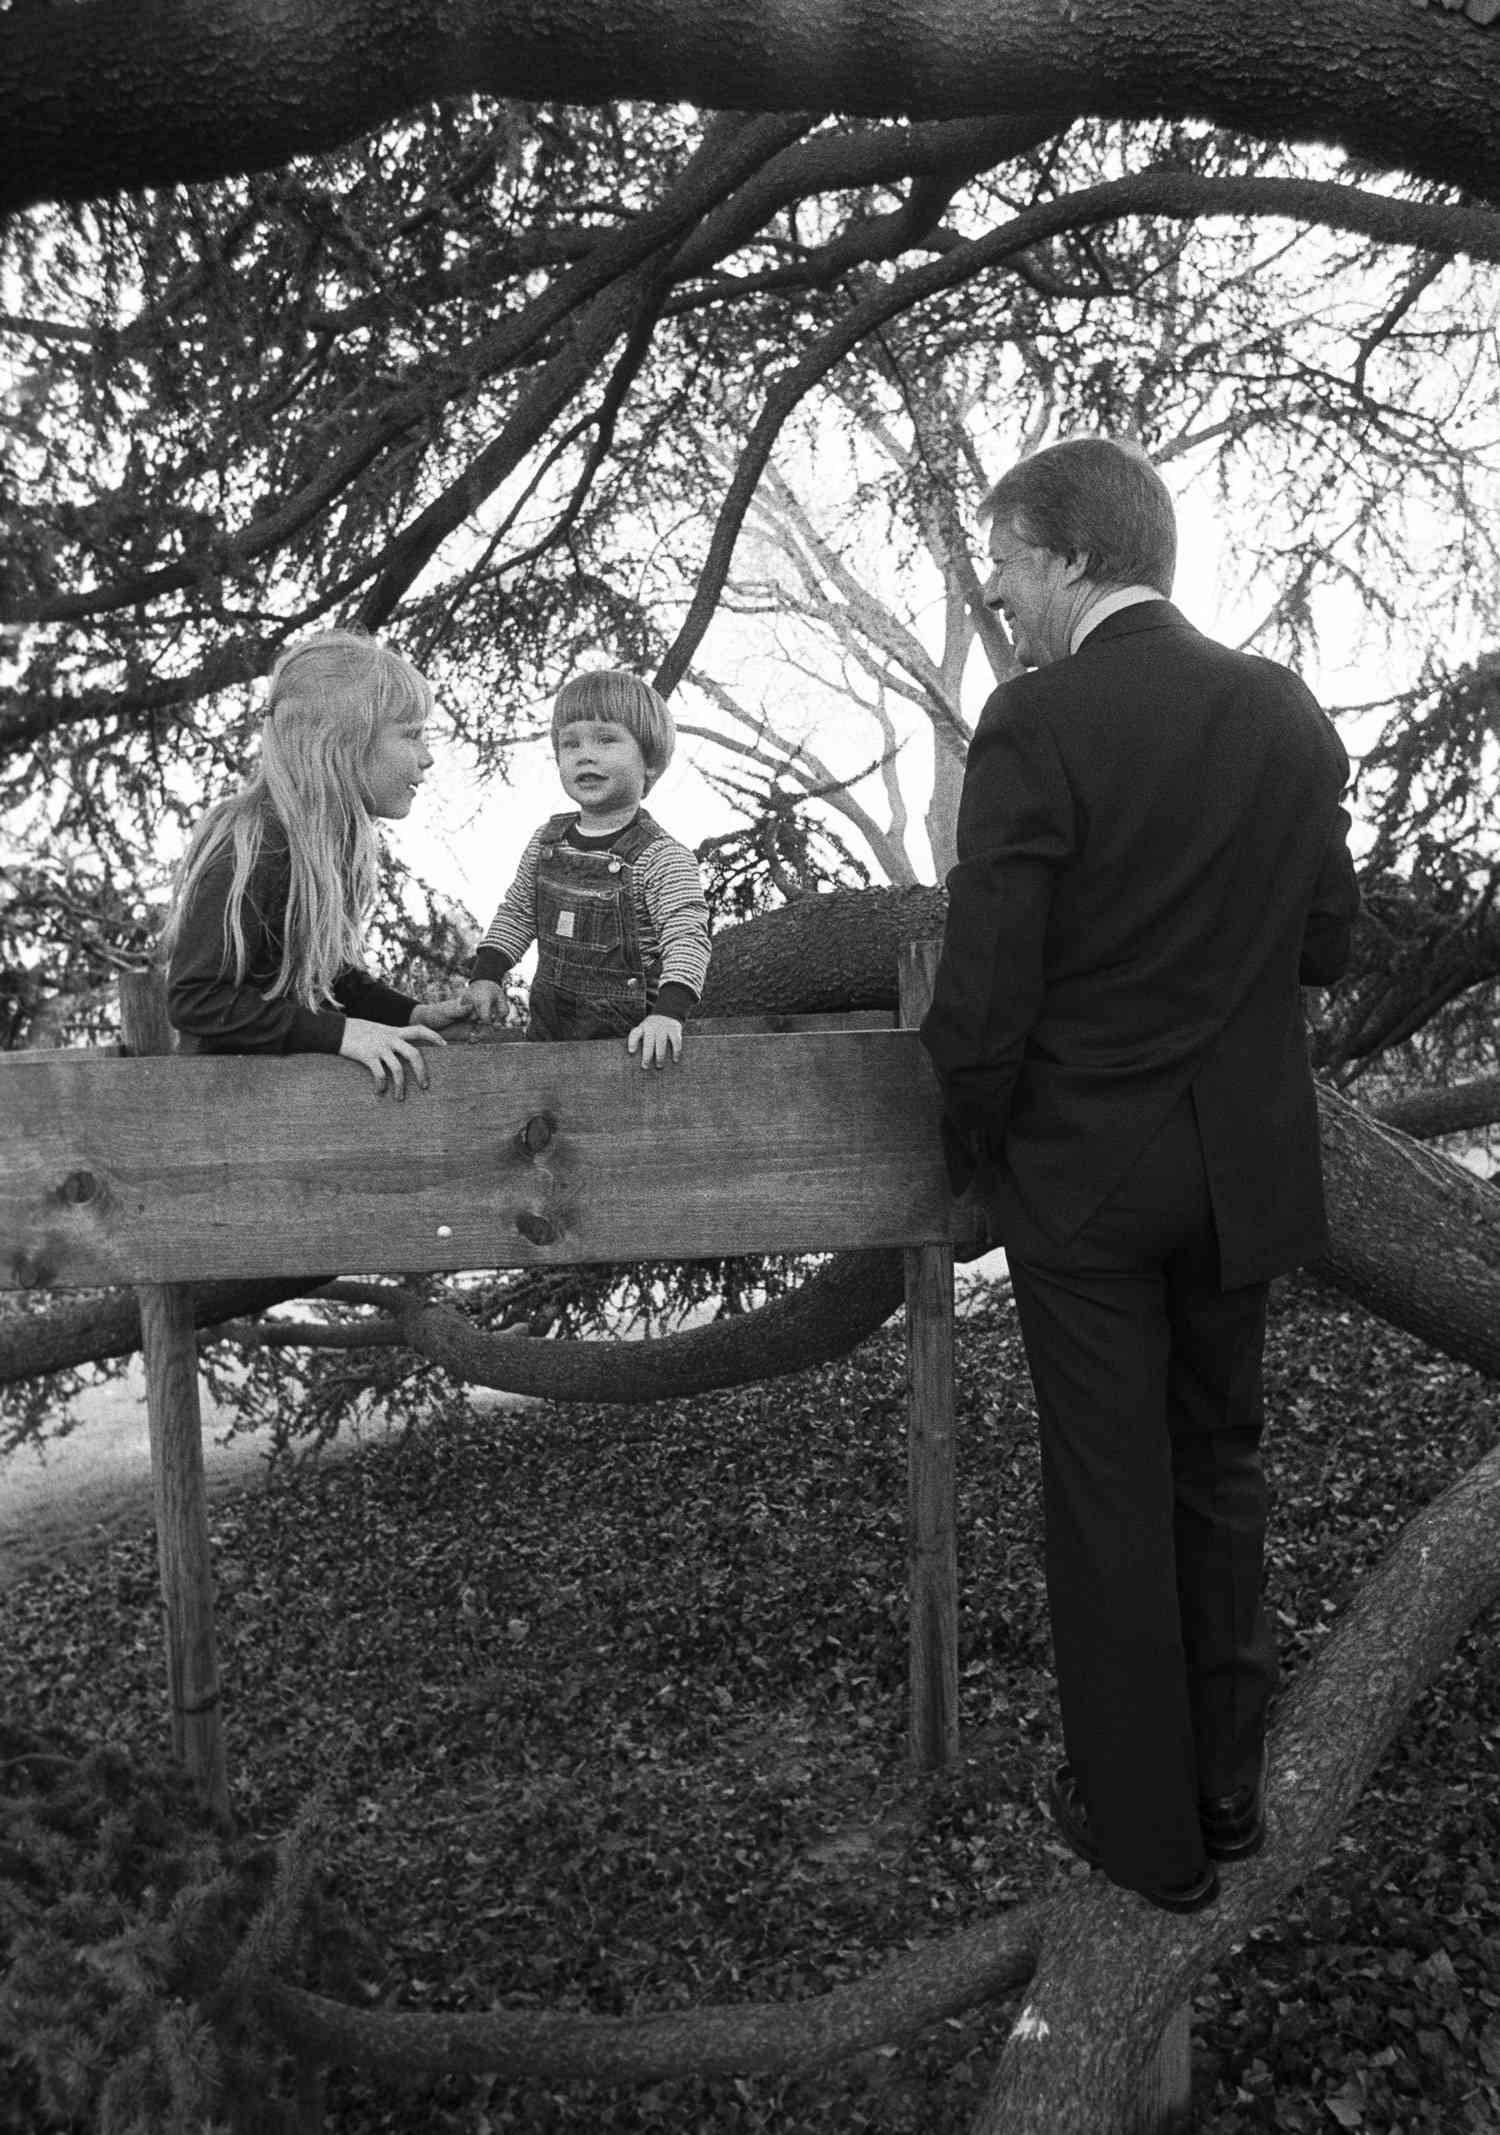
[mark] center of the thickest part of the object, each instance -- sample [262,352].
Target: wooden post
[169,1346]
[932,1728]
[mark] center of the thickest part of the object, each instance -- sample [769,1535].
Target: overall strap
[556,827]
[637,837]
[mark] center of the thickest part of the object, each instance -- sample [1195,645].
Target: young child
[615,905]
[263,939]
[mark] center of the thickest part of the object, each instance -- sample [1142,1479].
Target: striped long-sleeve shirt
[670,908]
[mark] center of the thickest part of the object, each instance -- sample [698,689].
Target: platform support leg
[169,1348]
[932,1730]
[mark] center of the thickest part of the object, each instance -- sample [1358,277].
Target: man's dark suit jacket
[1151,861]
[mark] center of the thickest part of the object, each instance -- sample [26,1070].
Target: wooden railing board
[171,1170]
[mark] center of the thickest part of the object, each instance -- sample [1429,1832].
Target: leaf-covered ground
[609,1706]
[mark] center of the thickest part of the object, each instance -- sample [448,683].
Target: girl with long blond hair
[264,937]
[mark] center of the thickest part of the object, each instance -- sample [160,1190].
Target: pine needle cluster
[131,1930]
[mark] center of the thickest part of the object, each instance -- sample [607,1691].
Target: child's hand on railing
[387,1051]
[657,1040]
[485,999]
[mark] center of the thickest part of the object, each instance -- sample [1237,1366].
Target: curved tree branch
[856,160]
[825,1317]
[908,1993]
[106,94]
[235,660]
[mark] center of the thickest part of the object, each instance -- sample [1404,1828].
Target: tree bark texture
[1458,1108]
[112,94]
[1415,1237]
[97,1326]
[836,952]
[827,1316]
[1106,1972]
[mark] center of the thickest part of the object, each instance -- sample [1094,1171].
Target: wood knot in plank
[541,1230]
[536,1135]
[31,1271]
[79,1188]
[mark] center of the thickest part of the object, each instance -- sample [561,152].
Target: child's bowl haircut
[623,699]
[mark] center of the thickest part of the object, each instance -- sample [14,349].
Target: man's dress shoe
[1234,1825]
[1071,1817]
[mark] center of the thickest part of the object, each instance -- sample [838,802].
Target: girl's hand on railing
[386,1051]
[438,1015]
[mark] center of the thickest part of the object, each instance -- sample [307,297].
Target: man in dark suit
[1151,862]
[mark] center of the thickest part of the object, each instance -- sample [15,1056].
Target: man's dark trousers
[1148,1389]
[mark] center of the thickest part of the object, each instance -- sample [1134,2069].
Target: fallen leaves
[610,1706]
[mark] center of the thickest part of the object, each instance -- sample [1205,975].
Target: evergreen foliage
[131,1927]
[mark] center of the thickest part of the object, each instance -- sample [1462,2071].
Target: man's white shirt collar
[1111,604]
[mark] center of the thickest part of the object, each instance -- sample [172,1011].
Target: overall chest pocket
[588,923]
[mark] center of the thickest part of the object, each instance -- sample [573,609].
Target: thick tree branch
[106,94]
[906,1994]
[1415,1236]
[91,1330]
[1454,1108]
[825,1317]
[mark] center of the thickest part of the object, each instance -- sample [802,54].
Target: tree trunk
[105,94]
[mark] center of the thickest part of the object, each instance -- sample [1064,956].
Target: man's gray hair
[1094,499]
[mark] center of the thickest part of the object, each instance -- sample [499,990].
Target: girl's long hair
[329,697]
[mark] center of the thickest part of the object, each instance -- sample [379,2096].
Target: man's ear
[1075,567]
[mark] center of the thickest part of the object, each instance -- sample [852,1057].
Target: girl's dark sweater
[214,1015]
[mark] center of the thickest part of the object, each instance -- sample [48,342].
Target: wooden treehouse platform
[155,1171]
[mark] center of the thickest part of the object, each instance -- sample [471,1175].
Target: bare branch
[1156,193]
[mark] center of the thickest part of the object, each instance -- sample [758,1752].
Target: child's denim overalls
[591,978]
